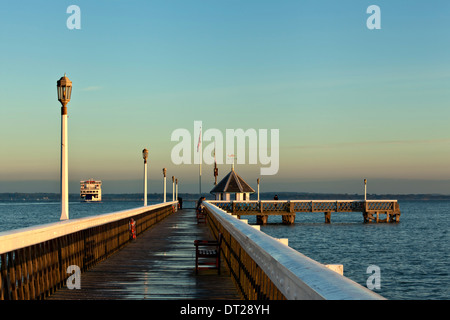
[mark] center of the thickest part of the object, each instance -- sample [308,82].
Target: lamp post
[176,189]
[173,188]
[145,156]
[257,180]
[64,88]
[365,189]
[164,191]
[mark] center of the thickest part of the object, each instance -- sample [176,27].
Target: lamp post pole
[145,156]
[365,189]
[164,191]
[176,189]
[64,87]
[173,188]
[258,188]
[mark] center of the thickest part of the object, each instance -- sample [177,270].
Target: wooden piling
[327,217]
[288,219]
[261,219]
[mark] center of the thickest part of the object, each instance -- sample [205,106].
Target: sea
[408,260]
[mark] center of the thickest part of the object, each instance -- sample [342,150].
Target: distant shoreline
[52,197]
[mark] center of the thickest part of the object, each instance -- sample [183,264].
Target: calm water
[413,255]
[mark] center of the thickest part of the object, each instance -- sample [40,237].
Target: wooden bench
[201,215]
[207,254]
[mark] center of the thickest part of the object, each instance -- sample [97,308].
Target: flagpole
[216,171]
[200,162]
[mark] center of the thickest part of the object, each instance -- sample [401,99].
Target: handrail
[284,201]
[24,237]
[36,261]
[294,274]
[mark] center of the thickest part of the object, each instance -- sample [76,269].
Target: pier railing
[36,261]
[265,268]
[371,209]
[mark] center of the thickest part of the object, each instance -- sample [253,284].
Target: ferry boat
[91,190]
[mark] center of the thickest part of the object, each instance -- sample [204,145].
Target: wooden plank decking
[160,265]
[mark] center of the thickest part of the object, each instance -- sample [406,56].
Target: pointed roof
[232,183]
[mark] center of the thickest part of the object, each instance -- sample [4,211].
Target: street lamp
[176,189]
[145,156]
[64,88]
[164,173]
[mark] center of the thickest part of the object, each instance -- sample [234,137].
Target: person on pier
[199,204]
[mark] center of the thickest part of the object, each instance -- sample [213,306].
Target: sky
[348,102]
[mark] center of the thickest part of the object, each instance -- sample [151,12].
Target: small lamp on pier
[145,156]
[64,88]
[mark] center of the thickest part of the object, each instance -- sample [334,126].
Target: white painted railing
[294,274]
[34,261]
[21,238]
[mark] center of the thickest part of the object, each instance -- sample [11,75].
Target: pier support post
[288,218]
[366,214]
[396,214]
[261,219]
[395,217]
[327,217]
[370,217]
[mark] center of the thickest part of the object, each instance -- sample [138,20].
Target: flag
[199,140]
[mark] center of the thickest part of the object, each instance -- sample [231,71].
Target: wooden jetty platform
[372,210]
[159,265]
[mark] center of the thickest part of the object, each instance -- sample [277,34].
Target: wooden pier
[159,265]
[372,210]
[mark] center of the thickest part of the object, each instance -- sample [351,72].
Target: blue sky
[350,103]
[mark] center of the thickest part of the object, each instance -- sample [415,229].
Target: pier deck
[160,265]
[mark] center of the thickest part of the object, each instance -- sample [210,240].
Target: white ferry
[91,190]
